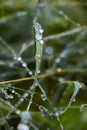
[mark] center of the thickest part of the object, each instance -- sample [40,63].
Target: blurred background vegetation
[64,62]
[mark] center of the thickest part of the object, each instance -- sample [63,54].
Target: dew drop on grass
[42,41]
[9,96]
[59,70]
[61,79]
[21,100]
[42,109]
[25,95]
[15,57]
[18,112]
[73,99]
[38,71]
[22,127]
[57,114]
[64,53]
[57,60]
[38,31]
[49,50]
[13,91]
[25,117]
[19,59]
[41,30]
[24,64]
[82,107]
[38,37]
[43,97]
[50,114]
[38,55]
[30,73]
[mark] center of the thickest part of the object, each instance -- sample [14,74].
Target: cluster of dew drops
[25,115]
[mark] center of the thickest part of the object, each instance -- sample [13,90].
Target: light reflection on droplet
[25,117]
[22,127]
[82,107]
[41,30]
[38,36]
[42,41]
[30,73]
[19,58]
[24,65]
[43,97]
[38,71]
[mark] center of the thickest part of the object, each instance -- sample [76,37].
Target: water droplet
[24,65]
[38,71]
[11,96]
[25,117]
[73,100]
[57,114]
[22,127]
[38,37]
[61,79]
[15,57]
[19,58]
[42,108]
[82,107]
[41,30]
[43,97]
[59,70]
[42,114]
[8,96]
[38,55]
[25,95]
[21,100]
[57,60]
[13,91]
[30,73]
[42,41]
[18,112]
[49,50]
[63,54]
